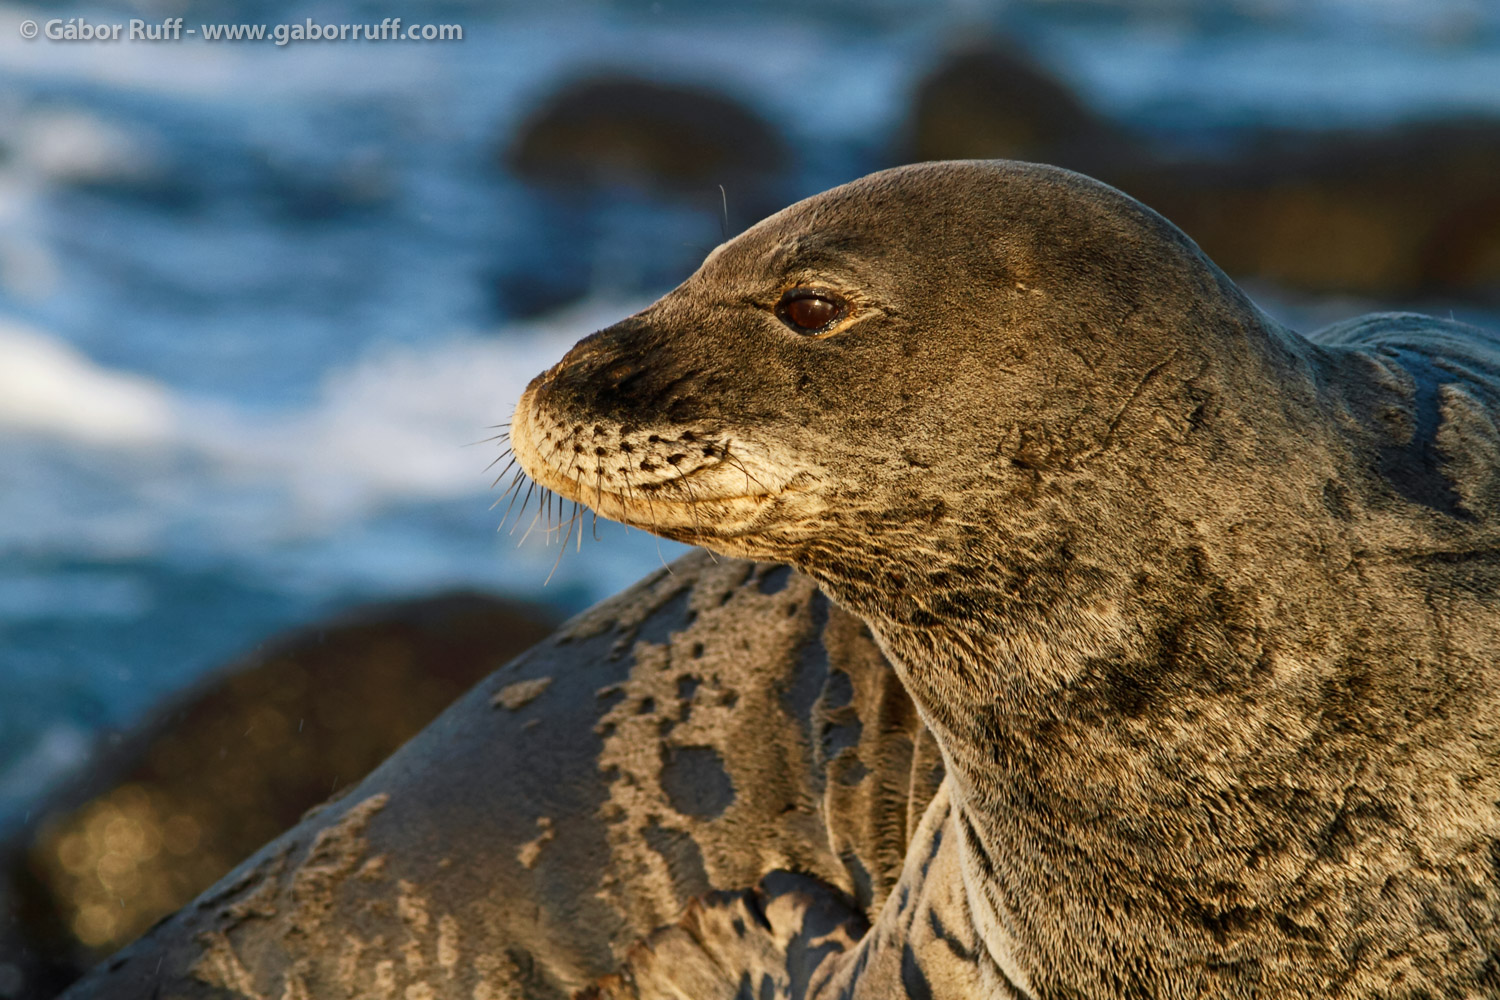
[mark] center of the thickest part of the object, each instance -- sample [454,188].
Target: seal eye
[809,310]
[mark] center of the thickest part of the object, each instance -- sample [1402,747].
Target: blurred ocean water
[257,304]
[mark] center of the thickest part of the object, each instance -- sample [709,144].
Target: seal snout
[599,452]
[678,479]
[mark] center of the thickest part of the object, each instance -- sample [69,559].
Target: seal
[1201,612]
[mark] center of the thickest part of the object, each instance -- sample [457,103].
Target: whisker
[599,491]
[630,493]
[655,529]
[527,535]
[573,464]
[556,562]
[651,509]
[741,466]
[515,481]
[503,471]
[572,521]
[524,502]
[693,506]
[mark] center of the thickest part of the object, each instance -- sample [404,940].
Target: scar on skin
[625,612]
[447,944]
[266,868]
[347,969]
[295,988]
[261,902]
[372,870]
[514,696]
[412,908]
[335,855]
[221,968]
[530,851]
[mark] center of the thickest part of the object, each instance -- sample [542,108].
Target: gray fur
[1201,612]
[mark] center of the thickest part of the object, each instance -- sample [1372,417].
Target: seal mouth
[644,506]
[699,503]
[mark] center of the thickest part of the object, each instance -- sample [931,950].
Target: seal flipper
[928,942]
[766,942]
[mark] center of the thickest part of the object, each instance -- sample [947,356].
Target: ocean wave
[49,387]
[404,423]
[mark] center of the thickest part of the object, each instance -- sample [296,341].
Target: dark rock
[162,814]
[990,100]
[1390,212]
[1403,211]
[663,138]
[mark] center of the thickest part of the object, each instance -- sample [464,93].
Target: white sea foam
[76,146]
[403,424]
[48,387]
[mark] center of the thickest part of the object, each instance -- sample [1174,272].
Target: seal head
[715,416]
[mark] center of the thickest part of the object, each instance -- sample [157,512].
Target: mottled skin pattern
[1201,612]
[719,725]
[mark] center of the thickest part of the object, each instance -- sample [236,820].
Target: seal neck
[1065,633]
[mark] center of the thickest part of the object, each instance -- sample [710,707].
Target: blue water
[257,303]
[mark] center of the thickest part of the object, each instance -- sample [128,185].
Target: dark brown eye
[809,310]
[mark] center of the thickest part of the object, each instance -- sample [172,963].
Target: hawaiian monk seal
[1201,612]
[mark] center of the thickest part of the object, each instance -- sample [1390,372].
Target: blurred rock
[1405,211]
[527,294]
[990,100]
[612,131]
[627,198]
[160,815]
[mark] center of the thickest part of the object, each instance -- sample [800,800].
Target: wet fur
[1202,612]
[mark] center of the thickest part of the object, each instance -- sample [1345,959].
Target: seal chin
[708,504]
